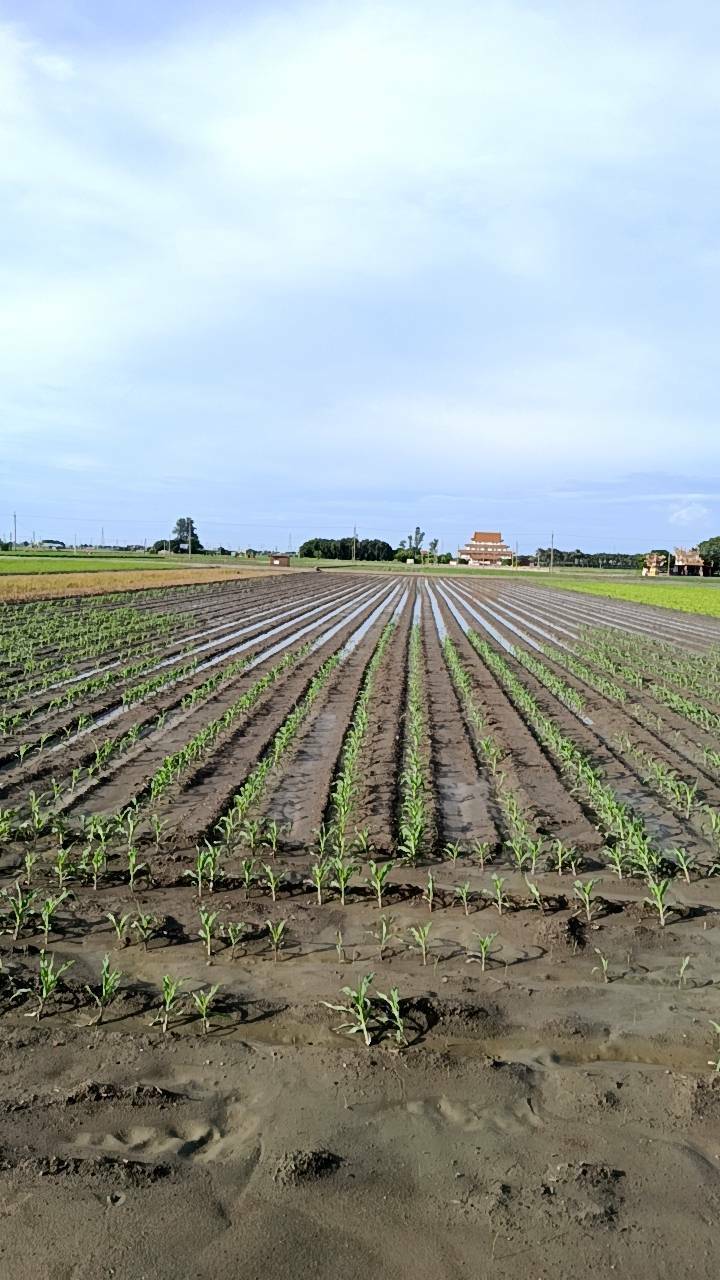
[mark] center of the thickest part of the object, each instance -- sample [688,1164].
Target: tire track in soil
[380,761]
[300,797]
[529,772]
[194,811]
[464,794]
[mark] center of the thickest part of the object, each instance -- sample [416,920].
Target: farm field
[372,916]
[42,584]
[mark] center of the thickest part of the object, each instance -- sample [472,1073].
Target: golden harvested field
[45,586]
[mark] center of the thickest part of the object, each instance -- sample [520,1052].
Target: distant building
[485,550]
[655,564]
[689,561]
[280,562]
[52,544]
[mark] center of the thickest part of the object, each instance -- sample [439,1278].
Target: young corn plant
[207,930]
[144,925]
[682,970]
[357,1009]
[234,932]
[535,895]
[452,850]
[121,925]
[377,879]
[49,910]
[482,852]
[420,934]
[583,890]
[383,934]
[428,892]
[19,905]
[170,1001]
[658,893]
[483,951]
[462,893]
[135,867]
[393,1016]
[602,967]
[203,1001]
[276,931]
[110,980]
[344,871]
[272,880]
[49,978]
[247,870]
[500,898]
[319,876]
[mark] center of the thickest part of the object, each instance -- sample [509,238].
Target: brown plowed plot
[551,1111]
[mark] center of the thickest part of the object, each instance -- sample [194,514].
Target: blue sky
[291,266]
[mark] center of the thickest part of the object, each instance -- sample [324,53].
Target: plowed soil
[554,1113]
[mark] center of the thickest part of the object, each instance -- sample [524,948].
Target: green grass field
[690,596]
[60,562]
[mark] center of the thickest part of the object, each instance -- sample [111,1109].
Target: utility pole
[552,550]
[14,531]
[102,537]
[189,536]
[354,540]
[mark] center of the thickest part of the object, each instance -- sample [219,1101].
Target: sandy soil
[542,1120]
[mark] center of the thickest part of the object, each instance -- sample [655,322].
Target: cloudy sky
[288,265]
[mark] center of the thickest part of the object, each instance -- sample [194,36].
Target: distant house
[485,550]
[280,562]
[655,564]
[52,544]
[689,562]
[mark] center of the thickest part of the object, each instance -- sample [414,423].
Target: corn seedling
[49,979]
[362,843]
[357,1009]
[203,1001]
[658,892]
[483,953]
[19,905]
[379,872]
[535,894]
[684,861]
[48,911]
[29,863]
[251,834]
[344,871]
[682,970]
[110,980]
[420,934]
[271,836]
[339,946]
[156,826]
[170,1000]
[247,869]
[393,1017]
[583,890]
[323,836]
[319,876]
[452,851]
[603,966]
[272,880]
[500,898]
[63,866]
[234,932]
[560,855]
[207,930]
[462,893]
[481,852]
[276,931]
[429,891]
[135,867]
[144,925]
[121,925]
[383,934]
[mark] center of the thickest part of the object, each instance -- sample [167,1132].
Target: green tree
[184,529]
[710,551]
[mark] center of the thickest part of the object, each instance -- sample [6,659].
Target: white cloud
[693,513]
